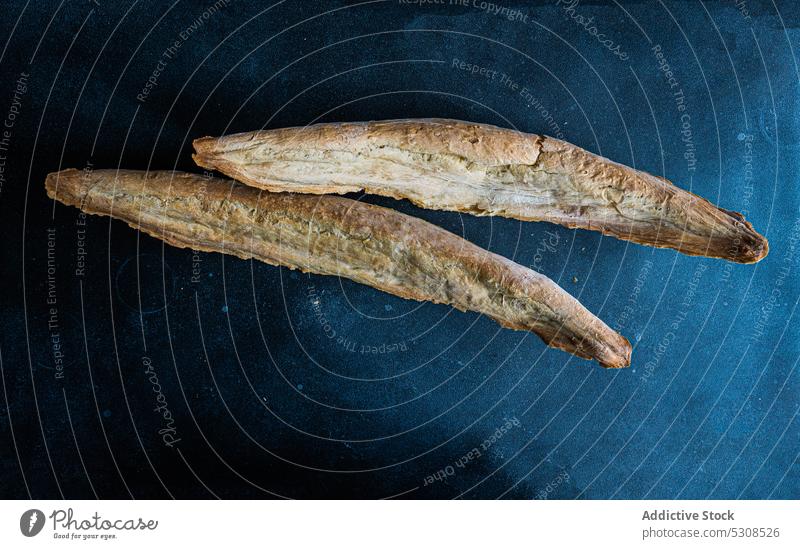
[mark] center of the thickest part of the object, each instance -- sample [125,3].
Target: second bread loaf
[332,235]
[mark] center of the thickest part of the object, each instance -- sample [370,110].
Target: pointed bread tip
[618,357]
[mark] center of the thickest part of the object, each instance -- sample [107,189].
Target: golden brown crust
[482,143]
[484,170]
[333,235]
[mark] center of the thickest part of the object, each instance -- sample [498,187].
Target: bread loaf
[484,170]
[333,235]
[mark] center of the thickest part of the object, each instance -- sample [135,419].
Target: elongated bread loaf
[332,235]
[484,170]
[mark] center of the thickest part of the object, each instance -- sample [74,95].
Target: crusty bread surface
[333,235]
[484,170]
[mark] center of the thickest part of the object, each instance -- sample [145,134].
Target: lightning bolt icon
[34,518]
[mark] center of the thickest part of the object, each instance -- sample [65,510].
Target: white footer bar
[400,524]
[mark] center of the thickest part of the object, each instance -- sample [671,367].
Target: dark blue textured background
[304,386]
